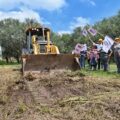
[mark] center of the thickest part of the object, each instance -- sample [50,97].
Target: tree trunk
[18,60]
[7,59]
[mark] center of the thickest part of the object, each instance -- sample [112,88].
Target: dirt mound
[50,87]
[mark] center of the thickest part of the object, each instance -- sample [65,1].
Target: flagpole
[96,31]
[100,34]
[85,33]
[90,39]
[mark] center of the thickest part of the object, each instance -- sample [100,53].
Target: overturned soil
[58,95]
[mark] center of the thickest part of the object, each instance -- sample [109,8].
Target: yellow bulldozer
[39,53]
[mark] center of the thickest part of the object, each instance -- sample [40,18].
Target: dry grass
[58,95]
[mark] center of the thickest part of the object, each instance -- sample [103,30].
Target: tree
[12,36]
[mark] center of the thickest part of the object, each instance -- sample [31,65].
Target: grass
[2,62]
[112,72]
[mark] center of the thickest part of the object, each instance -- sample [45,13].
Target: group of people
[99,59]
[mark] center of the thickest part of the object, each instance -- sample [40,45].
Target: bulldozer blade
[32,63]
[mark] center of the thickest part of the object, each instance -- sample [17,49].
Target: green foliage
[108,26]
[12,35]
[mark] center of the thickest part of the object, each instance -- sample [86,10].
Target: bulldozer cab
[41,37]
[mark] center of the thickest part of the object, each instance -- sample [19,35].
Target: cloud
[92,2]
[79,22]
[64,32]
[49,5]
[89,1]
[22,15]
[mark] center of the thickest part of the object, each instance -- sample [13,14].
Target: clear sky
[61,15]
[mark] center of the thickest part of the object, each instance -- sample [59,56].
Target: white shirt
[99,46]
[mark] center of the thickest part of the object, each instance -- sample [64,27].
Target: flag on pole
[84,32]
[92,31]
[107,43]
[79,48]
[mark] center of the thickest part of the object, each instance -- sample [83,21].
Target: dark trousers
[104,62]
[82,61]
[93,63]
[99,63]
[118,62]
[93,67]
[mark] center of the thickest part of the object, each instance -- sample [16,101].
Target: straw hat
[117,39]
[100,40]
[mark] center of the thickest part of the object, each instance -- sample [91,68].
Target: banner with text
[107,43]
[92,31]
[79,48]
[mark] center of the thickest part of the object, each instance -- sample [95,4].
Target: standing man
[99,48]
[83,54]
[116,49]
[82,59]
[105,57]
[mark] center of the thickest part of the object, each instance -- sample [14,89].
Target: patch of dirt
[58,95]
[50,87]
